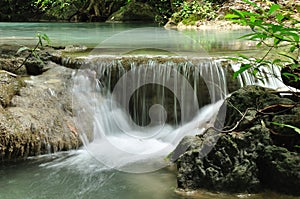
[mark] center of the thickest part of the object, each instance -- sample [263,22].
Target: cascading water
[271,77]
[115,94]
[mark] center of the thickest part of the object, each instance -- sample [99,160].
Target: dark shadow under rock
[280,170]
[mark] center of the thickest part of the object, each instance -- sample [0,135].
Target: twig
[31,53]
[9,73]
[235,126]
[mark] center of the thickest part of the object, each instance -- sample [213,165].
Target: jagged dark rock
[251,156]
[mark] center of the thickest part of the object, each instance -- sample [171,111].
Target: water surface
[92,34]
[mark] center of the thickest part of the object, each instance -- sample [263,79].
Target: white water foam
[120,145]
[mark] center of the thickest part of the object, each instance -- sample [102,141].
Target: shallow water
[63,175]
[92,34]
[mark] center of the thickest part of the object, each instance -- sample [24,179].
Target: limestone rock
[39,120]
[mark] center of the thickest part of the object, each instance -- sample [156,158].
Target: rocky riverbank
[253,152]
[225,7]
[35,111]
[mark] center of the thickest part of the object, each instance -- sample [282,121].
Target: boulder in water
[252,153]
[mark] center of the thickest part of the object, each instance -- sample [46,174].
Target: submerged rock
[252,153]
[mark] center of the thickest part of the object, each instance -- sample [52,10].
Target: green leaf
[252,19]
[243,56]
[232,16]
[294,35]
[247,35]
[259,36]
[255,71]
[276,41]
[46,38]
[292,49]
[296,129]
[291,77]
[279,17]
[276,61]
[276,28]
[233,58]
[273,8]
[22,49]
[259,44]
[239,13]
[243,68]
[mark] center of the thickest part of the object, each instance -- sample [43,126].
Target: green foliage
[191,11]
[17,10]
[274,29]
[296,129]
[33,51]
[163,8]
[60,9]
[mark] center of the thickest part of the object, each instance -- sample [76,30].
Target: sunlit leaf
[273,8]
[243,68]
[276,41]
[247,35]
[232,16]
[279,17]
[238,13]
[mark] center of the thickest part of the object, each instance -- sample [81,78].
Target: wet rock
[230,165]
[252,154]
[35,66]
[251,98]
[280,170]
[9,61]
[39,120]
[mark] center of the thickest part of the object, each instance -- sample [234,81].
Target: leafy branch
[273,28]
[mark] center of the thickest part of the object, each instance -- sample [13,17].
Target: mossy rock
[133,12]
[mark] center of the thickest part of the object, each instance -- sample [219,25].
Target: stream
[129,164]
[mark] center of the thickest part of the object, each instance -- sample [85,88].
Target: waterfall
[270,75]
[132,111]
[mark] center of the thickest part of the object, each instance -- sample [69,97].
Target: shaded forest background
[158,11]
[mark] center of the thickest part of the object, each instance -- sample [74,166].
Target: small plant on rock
[33,51]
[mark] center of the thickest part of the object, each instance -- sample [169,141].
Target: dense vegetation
[276,29]
[100,10]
